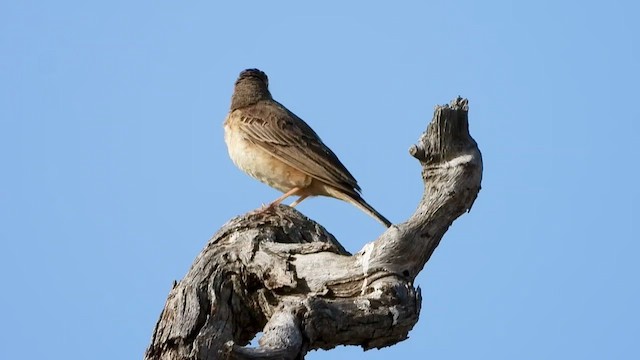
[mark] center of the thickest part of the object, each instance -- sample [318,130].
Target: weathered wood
[278,272]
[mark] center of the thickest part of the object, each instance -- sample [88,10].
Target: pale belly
[261,165]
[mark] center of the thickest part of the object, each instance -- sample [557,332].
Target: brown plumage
[273,145]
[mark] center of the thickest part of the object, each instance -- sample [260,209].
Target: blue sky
[115,173]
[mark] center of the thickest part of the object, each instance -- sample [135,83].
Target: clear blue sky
[115,173]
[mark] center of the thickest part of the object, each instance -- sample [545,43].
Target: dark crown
[253,73]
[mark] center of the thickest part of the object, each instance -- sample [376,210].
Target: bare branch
[278,272]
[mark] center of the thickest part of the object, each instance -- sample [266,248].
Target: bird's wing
[283,134]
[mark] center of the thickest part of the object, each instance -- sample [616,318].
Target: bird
[273,145]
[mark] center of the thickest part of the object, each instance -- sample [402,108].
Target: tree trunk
[281,273]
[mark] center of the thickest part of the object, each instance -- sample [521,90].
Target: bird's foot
[267,207]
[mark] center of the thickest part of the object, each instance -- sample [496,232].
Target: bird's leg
[277,201]
[293,204]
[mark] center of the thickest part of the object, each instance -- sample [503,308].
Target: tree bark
[281,273]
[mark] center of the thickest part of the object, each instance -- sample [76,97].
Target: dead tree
[282,273]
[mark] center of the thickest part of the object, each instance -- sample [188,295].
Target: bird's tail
[358,201]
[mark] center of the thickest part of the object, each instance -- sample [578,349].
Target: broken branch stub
[281,273]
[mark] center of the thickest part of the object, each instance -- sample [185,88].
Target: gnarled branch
[278,272]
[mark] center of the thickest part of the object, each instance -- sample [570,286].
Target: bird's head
[253,76]
[252,86]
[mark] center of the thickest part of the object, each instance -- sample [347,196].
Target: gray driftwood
[283,274]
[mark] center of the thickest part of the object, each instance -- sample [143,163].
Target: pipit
[276,147]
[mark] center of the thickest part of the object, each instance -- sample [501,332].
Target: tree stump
[283,274]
